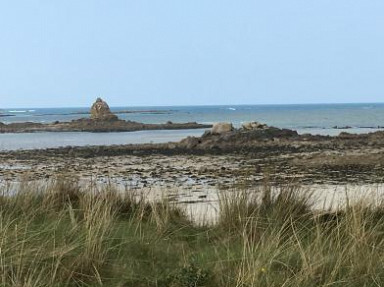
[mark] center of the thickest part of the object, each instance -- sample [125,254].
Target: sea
[322,119]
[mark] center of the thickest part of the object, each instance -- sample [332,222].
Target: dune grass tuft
[62,234]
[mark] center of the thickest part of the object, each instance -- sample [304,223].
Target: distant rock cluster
[222,128]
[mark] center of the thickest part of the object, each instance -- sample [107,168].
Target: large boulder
[100,111]
[221,128]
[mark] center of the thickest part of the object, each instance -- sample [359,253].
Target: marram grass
[62,235]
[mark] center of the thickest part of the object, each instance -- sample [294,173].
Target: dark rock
[342,127]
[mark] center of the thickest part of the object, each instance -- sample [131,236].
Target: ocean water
[325,119]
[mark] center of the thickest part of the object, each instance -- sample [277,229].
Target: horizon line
[201,105]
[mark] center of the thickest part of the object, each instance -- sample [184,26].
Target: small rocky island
[101,120]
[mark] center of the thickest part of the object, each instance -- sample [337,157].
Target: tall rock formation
[100,111]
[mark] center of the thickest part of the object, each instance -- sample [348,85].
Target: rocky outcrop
[100,111]
[227,138]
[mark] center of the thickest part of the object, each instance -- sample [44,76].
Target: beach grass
[61,234]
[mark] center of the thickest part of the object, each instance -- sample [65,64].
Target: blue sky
[196,52]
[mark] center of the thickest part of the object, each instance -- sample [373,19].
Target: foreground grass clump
[64,235]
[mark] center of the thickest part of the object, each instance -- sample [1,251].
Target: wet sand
[195,170]
[356,166]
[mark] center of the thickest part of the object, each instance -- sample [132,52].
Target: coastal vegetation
[64,233]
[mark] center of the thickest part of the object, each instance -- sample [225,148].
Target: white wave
[17,111]
[232,109]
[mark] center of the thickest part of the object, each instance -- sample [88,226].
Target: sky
[192,52]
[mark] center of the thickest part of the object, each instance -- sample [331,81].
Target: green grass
[62,235]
